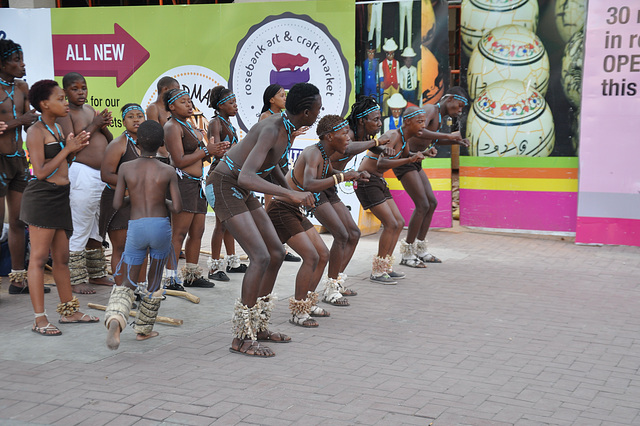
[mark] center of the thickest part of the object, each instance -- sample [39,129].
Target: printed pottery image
[431,78]
[510,119]
[478,16]
[570,17]
[572,68]
[510,52]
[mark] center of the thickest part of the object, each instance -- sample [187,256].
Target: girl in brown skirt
[188,151]
[45,205]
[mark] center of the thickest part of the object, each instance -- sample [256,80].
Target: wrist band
[335,179]
[377,143]
[206,151]
[341,177]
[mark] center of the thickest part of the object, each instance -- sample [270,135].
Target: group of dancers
[161,155]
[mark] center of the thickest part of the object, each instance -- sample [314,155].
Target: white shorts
[86,191]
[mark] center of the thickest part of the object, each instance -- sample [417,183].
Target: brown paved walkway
[509,330]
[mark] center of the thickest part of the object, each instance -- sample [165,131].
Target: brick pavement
[511,329]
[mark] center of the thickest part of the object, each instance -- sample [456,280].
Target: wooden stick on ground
[164,320]
[190,297]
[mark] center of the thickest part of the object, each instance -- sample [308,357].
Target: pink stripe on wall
[608,230]
[528,210]
[441,218]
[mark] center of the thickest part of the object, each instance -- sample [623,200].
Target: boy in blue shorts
[146,179]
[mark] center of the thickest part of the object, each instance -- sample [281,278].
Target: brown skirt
[110,218]
[287,219]
[46,205]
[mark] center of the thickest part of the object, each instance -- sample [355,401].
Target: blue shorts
[153,233]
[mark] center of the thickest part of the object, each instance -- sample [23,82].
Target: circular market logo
[285,50]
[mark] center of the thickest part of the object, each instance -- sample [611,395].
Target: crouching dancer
[312,172]
[375,195]
[147,181]
[241,171]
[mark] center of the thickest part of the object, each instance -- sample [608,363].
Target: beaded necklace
[57,138]
[187,126]
[13,107]
[232,129]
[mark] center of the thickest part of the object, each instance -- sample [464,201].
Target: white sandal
[303,320]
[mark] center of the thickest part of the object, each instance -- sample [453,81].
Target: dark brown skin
[45,240]
[423,139]
[261,149]
[108,173]
[11,69]
[368,126]
[388,212]
[175,135]
[308,171]
[83,117]
[157,112]
[147,180]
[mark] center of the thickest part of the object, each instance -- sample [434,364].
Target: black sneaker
[201,282]
[173,284]
[289,257]
[218,276]
[14,289]
[240,269]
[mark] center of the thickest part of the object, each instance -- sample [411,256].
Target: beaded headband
[460,98]
[335,128]
[413,114]
[225,99]
[131,108]
[11,52]
[177,96]
[368,111]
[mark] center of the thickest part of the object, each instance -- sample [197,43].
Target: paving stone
[510,329]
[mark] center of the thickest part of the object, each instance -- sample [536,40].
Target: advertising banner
[124,51]
[609,198]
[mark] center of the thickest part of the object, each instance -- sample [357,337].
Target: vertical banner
[522,67]
[401,61]
[609,197]
[31,29]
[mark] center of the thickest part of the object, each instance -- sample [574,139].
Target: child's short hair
[165,81]
[71,78]
[327,123]
[40,91]
[150,136]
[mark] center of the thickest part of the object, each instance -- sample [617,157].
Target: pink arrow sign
[116,55]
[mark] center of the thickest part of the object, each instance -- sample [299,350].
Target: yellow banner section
[515,184]
[436,184]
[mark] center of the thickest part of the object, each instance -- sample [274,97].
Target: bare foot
[82,289]
[250,348]
[113,335]
[146,336]
[106,280]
